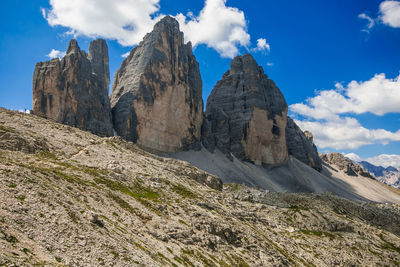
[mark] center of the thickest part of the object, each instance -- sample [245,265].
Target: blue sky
[316,48]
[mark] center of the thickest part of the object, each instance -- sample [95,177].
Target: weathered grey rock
[300,145]
[349,167]
[74,90]
[156,97]
[246,115]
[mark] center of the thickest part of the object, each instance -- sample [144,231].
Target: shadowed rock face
[246,115]
[156,97]
[74,90]
[300,145]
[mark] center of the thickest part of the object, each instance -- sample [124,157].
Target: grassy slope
[151,210]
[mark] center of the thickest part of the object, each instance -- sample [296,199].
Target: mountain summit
[156,97]
[74,90]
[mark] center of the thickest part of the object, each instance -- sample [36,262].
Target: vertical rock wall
[74,90]
[156,97]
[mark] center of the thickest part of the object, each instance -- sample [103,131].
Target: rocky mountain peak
[73,47]
[246,115]
[156,97]
[246,65]
[98,56]
[74,90]
[167,23]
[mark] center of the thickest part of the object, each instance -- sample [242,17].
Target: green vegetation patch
[122,203]
[138,191]
[7,129]
[21,198]
[388,245]
[318,233]
[9,238]
[183,191]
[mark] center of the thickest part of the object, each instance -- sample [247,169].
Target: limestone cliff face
[246,115]
[156,97]
[300,145]
[74,90]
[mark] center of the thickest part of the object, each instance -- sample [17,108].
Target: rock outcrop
[346,165]
[156,97]
[300,145]
[246,115]
[74,90]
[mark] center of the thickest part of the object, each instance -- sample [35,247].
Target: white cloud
[353,157]
[371,21]
[379,95]
[218,26]
[127,21]
[328,114]
[124,20]
[390,13]
[346,133]
[262,45]
[56,53]
[125,55]
[270,64]
[385,160]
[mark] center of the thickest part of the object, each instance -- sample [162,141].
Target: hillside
[294,176]
[70,198]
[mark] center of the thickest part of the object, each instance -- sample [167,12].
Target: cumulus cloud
[379,95]
[218,26]
[328,114]
[390,13]
[385,160]
[124,20]
[56,54]
[346,133]
[262,45]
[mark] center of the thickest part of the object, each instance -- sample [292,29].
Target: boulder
[156,97]
[74,90]
[300,145]
[246,115]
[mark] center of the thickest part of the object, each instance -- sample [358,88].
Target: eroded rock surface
[300,145]
[349,167]
[74,90]
[156,97]
[246,115]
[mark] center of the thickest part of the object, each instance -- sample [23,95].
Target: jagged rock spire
[156,97]
[74,90]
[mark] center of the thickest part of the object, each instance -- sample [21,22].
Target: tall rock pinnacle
[74,90]
[246,115]
[300,145]
[156,97]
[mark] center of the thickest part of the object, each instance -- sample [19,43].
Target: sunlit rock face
[156,97]
[246,115]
